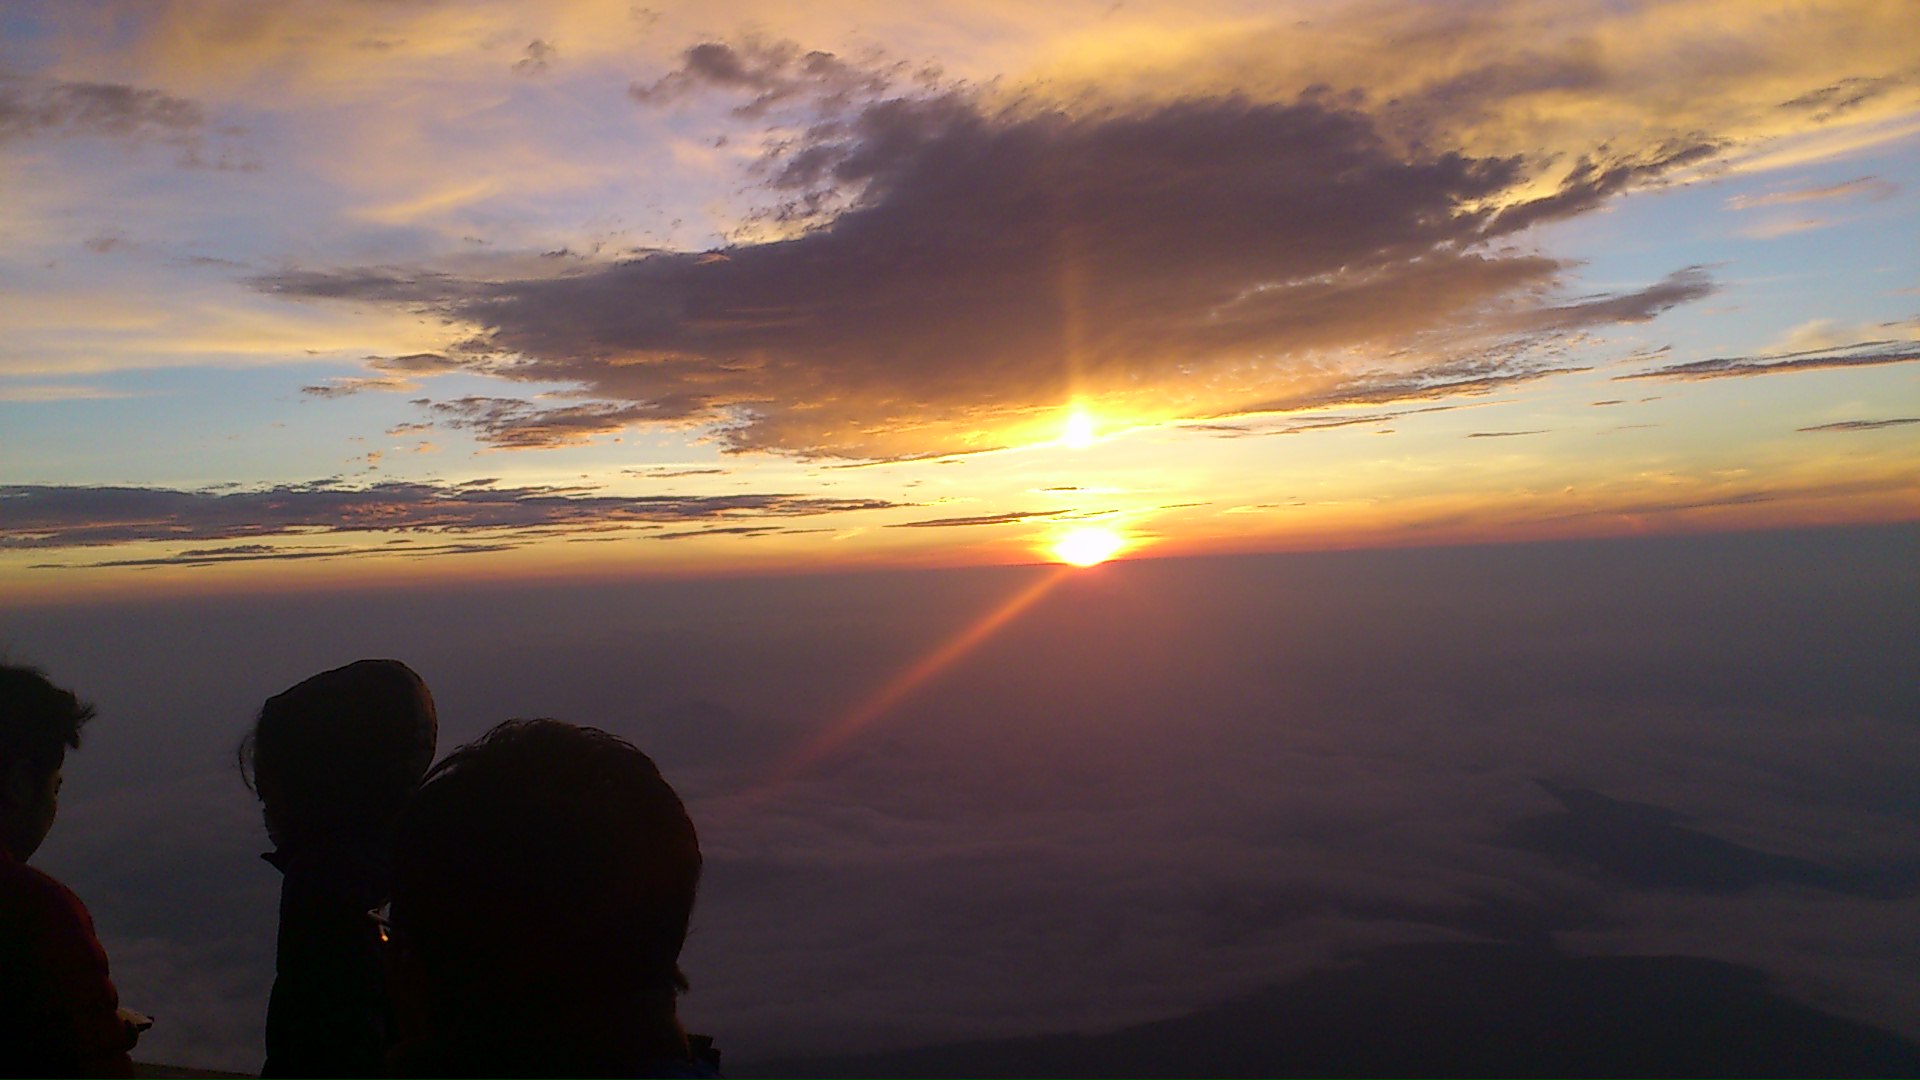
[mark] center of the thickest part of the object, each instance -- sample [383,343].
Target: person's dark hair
[39,721]
[541,866]
[338,754]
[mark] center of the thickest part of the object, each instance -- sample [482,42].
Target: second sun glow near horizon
[1087,546]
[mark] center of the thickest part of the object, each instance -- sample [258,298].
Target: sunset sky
[721,374]
[307,293]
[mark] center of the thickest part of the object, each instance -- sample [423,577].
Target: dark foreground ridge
[1449,1010]
[1434,1010]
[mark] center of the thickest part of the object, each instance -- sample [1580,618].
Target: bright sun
[1087,546]
[1080,430]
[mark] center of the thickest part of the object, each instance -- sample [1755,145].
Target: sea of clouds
[1165,784]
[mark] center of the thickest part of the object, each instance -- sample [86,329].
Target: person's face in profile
[30,804]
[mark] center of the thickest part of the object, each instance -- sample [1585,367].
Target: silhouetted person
[333,760]
[59,1013]
[543,879]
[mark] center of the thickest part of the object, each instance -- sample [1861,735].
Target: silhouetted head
[39,722]
[543,874]
[336,756]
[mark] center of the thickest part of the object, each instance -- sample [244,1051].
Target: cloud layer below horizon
[1156,789]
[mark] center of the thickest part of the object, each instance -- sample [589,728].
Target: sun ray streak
[900,687]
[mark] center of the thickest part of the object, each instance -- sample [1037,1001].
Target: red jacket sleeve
[59,1012]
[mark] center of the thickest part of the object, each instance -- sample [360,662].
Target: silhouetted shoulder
[59,1012]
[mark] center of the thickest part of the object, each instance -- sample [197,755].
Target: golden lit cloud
[936,260]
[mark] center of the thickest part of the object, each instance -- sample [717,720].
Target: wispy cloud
[253,553]
[1864,187]
[772,73]
[1841,97]
[538,58]
[43,108]
[49,516]
[728,530]
[514,423]
[60,392]
[1862,425]
[1816,335]
[1769,230]
[1861,354]
[1642,305]
[1302,426]
[48,107]
[425,363]
[346,386]
[1011,517]
[1468,378]
[673,473]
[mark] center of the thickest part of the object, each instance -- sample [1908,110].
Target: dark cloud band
[49,517]
[1863,354]
[45,107]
